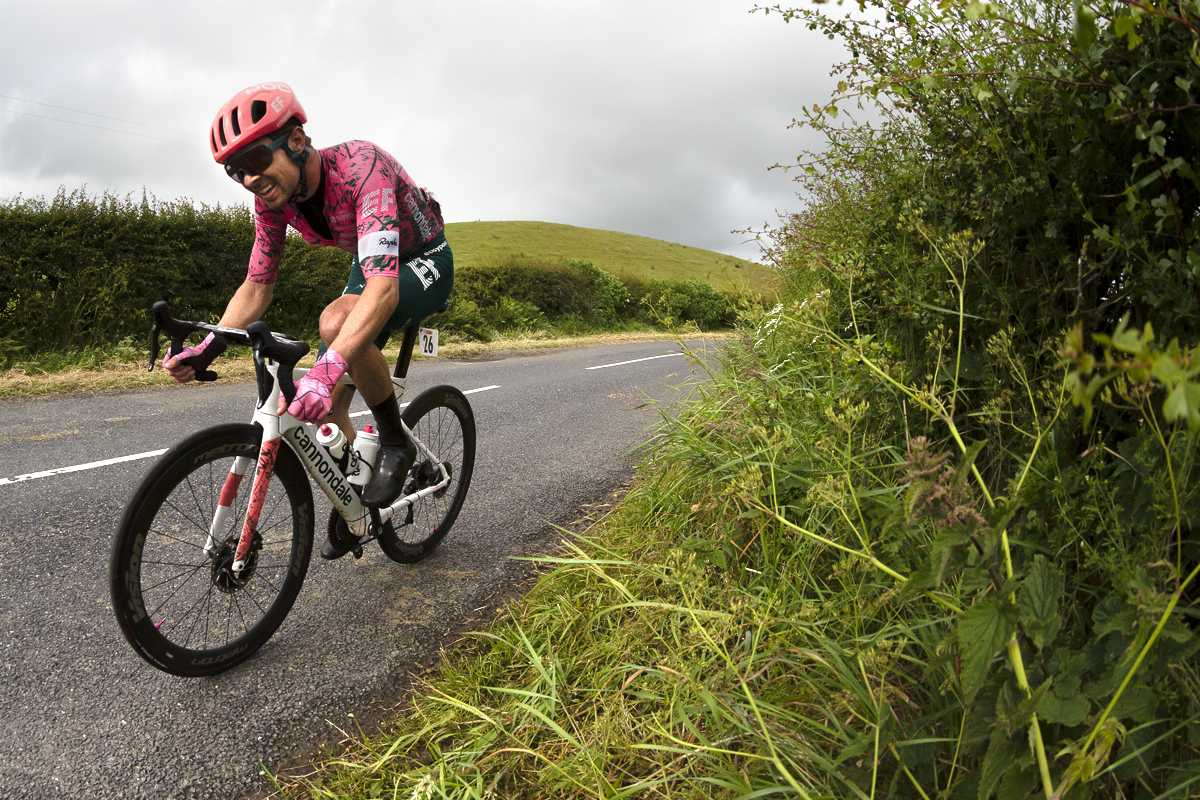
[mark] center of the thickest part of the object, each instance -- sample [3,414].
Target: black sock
[387,420]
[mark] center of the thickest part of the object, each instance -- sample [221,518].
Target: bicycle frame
[361,521]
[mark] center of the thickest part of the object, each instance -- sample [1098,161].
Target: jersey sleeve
[270,230]
[379,245]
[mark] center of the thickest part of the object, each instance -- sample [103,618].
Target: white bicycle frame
[319,464]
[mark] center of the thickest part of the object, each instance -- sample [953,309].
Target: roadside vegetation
[127,370]
[78,275]
[930,530]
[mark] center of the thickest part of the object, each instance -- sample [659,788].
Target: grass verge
[643,664]
[801,598]
[125,368]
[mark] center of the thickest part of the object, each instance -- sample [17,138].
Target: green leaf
[1069,711]
[1085,25]
[983,631]
[1184,403]
[1125,26]
[1038,600]
[1137,702]
[978,9]
[1128,340]
[1018,784]
[1001,755]
[1166,370]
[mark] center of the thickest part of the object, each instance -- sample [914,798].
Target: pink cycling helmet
[256,111]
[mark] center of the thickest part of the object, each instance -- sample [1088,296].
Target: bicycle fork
[225,502]
[229,493]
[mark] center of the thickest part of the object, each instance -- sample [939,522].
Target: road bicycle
[203,572]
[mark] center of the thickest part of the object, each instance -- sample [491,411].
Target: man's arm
[247,305]
[366,319]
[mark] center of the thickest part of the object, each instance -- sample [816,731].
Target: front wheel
[177,598]
[442,419]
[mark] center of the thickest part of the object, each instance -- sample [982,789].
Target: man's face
[278,182]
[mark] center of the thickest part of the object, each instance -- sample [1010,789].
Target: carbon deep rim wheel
[441,418]
[183,610]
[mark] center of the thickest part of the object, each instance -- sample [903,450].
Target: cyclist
[354,196]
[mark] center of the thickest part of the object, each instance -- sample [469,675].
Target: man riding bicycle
[354,196]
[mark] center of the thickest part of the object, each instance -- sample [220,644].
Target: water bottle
[330,437]
[365,446]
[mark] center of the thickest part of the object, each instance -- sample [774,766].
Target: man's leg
[396,451]
[373,380]
[340,413]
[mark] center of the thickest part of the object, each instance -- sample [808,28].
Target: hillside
[618,253]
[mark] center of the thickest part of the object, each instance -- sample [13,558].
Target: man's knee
[334,316]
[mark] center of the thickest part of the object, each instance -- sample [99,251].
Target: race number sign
[429,342]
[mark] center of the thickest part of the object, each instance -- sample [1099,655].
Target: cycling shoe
[392,464]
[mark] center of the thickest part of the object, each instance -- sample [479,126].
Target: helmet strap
[301,160]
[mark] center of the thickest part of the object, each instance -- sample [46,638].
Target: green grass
[673,652]
[760,617]
[621,254]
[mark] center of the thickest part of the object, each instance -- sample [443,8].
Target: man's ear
[297,139]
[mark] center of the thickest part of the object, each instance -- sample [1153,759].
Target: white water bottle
[330,437]
[365,445]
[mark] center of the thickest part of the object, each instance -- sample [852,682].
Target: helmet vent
[258,110]
[214,142]
[233,121]
[221,132]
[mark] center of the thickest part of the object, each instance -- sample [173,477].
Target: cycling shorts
[426,278]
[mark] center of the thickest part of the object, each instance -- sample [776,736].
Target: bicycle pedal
[358,551]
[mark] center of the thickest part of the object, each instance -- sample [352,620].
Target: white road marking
[402,405]
[636,360]
[137,456]
[81,467]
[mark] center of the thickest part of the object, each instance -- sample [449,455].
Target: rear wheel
[184,610]
[441,418]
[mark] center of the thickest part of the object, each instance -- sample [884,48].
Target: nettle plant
[1050,593]
[1026,179]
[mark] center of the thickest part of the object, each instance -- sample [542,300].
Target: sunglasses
[253,160]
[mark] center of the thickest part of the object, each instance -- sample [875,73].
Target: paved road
[81,716]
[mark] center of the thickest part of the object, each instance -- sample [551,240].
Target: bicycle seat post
[410,338]
[406,348]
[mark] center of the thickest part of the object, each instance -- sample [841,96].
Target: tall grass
[813,591]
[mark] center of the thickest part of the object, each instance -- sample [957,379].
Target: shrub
[87,270]
[611,298]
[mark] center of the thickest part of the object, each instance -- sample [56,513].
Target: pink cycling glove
[202,354]
[312,391]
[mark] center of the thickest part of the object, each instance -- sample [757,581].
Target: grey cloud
[655,118]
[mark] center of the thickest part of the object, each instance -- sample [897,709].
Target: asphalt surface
[81,716]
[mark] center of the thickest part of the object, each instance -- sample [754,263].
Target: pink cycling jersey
[373,208]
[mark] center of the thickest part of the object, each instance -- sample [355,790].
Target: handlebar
[277,346]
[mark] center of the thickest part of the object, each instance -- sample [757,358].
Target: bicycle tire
[442,419]
[182,610]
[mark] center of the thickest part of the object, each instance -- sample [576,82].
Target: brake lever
[286,384]
[153,344]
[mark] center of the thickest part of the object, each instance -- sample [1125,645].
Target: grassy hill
[617,253]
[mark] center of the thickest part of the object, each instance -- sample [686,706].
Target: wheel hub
[223,577]
[427,474]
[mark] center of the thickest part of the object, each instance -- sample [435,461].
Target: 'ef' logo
[277,104]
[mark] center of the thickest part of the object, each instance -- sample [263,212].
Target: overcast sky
[653,117]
